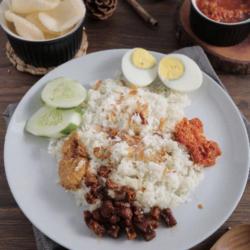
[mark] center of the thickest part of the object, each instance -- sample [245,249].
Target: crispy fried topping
[111,116]
[112,132]
[97,85]
[141,113]
[137,153]
[131,140]
[133,92]
[120,99]
[134,125]
[158,156]
[142,110]
[162,124]
[102,153]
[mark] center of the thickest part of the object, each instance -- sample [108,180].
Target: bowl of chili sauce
[220,22]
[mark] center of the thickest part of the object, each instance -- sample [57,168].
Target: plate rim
[39,82]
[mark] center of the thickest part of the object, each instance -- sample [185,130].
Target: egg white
[135,76]
[190,80]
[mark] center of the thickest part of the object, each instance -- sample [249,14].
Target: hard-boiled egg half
[180,73]
[139,67]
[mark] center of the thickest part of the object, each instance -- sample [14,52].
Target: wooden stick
[142,12]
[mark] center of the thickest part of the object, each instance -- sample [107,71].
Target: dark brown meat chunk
[149,235]
[90,198]
[107,209]
[97,215]
[114,219]
[153,223]
[130,194]
[121,204]
[155,213]
[91,180]
[96,227]
[120,195]
[97,192]
[111,185]
[128,222]
[125,213]
[131,233]
[138,214]
[113,231]
[87,216]
[168,217]
[104,171]
[145,226]
[125,194]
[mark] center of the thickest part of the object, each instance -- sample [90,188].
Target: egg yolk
[142,59]
[171,68]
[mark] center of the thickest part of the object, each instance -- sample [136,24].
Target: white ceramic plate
[31,172]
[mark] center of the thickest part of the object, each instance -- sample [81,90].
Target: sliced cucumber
[51,122]
[63,93]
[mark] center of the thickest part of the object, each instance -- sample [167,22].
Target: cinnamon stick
[142,12]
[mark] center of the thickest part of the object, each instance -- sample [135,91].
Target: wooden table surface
[123,30]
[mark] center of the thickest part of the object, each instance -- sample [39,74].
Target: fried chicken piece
[74,148]
[190,133]
[74,163]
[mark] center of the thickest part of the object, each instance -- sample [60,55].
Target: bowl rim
[193,2]
[12,34]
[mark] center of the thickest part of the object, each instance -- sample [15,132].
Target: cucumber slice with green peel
[63,92]
[53,123]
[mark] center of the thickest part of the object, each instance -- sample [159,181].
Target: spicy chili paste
[226,11]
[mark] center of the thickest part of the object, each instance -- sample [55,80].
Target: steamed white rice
[164,184]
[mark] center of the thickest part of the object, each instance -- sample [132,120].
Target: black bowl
[48,53]
[217,33]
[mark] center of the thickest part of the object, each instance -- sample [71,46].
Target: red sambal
[190,133]
[226,11]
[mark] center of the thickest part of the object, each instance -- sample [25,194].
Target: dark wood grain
[123,30]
